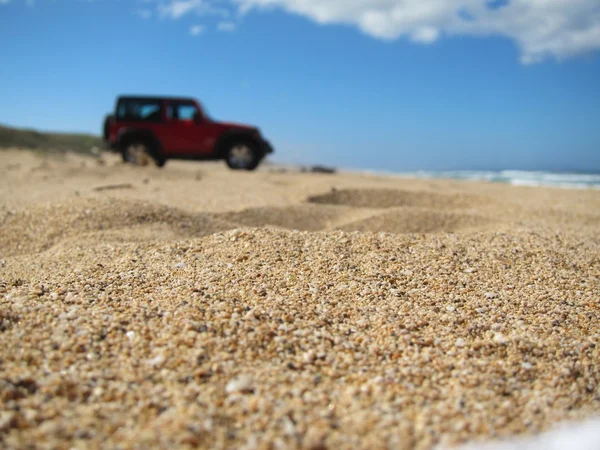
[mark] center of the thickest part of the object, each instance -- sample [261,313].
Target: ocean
[514,177]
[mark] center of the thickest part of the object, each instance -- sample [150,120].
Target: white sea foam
[567,436]
[514,177]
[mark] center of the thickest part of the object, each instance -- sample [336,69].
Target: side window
[139,110]
[150,112]
[181,111]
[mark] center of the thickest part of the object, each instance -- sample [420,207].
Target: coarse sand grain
[290,310]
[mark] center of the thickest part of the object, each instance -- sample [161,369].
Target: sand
[194,306]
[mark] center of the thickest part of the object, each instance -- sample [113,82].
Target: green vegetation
[48,142]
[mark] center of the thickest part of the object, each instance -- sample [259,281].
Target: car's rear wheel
[136,153]
[242,155]
[139,153]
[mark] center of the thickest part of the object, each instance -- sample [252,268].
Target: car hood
[238,126]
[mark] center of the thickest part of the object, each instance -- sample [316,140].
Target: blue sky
[427,84]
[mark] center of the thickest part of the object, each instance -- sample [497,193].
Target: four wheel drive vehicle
[165,128]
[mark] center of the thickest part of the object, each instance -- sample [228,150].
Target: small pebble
[241,383]
[499,338]
[157,360]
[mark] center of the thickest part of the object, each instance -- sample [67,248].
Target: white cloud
[178,8]
[226,26]
[195,30]
[540,28]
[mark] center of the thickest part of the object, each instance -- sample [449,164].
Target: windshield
[205,112]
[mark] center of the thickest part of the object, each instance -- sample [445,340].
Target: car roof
[155,98]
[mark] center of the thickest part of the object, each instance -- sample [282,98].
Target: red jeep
[177,128]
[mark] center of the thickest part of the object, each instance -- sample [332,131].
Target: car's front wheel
[242,155]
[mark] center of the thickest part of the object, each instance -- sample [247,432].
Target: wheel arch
[128,135]
[229,137]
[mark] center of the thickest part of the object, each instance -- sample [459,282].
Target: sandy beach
[198,307]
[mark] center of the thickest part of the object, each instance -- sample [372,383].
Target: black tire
[149,153]
[242,155]
[136,152]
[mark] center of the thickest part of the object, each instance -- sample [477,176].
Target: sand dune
[38,228]
[418,220]
[390,198]
[203,308]
[303,217]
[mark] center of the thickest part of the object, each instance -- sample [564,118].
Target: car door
[183,128]
[142,114]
